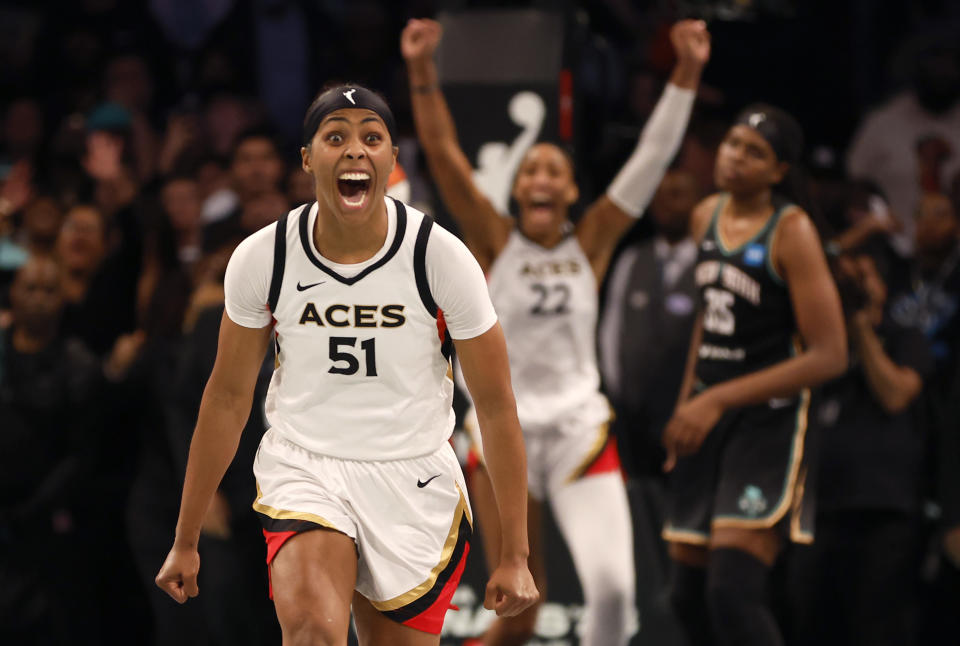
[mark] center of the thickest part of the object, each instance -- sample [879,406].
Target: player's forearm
[431,115]
[506,463]
[686,74]
[219,424]
[783,379]
[894,387]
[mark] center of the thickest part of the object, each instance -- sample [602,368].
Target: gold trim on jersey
[595,450]
[684,536]
[791,490]
[283,514]
[448,547]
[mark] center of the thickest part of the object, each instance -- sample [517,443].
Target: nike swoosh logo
[424,484]
[301,288]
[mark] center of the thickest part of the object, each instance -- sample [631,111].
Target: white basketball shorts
[410,519]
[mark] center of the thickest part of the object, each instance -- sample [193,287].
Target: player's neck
[350,240]
[749,205]
[548,239]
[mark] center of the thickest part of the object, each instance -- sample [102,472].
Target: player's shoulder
[439,238]
[794,221]
[702,214]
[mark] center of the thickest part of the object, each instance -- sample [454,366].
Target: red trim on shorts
[431,619]
[275,541]
[607,460]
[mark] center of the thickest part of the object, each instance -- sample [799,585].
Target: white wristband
[633,187]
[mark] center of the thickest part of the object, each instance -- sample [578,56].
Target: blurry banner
[501,73]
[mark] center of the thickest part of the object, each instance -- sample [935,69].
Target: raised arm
[614,213]
[484,230]
[816,306]
[223,413]
[487,372]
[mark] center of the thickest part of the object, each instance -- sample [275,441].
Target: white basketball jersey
[363,369]
[546,300]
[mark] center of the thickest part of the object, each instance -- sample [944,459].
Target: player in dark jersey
[770,328]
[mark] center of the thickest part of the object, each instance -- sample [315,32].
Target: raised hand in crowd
[181,135]
[103,161]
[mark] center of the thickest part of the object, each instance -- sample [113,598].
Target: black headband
[781,131]
[346,96]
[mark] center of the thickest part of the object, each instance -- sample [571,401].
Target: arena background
[583,74]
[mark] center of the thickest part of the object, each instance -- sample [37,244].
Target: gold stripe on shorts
[684,536]
[603,431]
[448,546]
[283,514]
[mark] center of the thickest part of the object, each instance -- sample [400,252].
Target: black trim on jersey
[394,246]
[279,261]
[420,265]
[423,286]
[422,604]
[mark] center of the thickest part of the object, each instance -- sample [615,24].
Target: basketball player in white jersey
[361,497]
[543,275]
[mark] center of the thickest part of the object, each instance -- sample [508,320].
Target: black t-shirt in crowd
[869,458]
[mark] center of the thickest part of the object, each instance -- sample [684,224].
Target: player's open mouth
[353,187]
[541,206]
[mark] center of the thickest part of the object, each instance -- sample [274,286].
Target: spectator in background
[226,117]
[858,583]
[257,171]
[49,407]
[932,303]
[183,206]
[42,220]
[911,144]
[96,311]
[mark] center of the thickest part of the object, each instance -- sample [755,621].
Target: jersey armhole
[420,264]
[423,285]
[280,259]
[773,239]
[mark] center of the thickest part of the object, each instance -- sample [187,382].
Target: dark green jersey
[748,321]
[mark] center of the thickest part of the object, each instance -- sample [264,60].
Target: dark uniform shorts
[750,473]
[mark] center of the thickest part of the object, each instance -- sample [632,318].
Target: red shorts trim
[431,619]
[606,461]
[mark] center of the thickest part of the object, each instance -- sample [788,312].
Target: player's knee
[309,629]
[611,589]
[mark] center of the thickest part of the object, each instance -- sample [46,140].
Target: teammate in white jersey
[543,282]
[360,494]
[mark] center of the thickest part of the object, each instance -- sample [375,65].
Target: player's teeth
[355,176]
[356,202]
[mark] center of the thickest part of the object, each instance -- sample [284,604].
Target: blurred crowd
[141,141]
